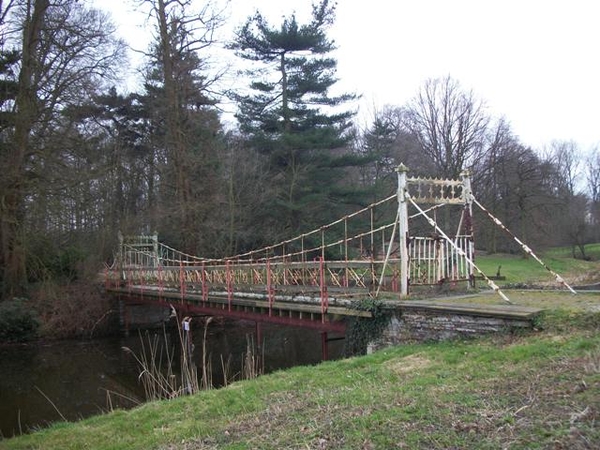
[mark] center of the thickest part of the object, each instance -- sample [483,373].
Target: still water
[77,379]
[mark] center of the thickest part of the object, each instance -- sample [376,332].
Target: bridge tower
[433,258]
[403,228]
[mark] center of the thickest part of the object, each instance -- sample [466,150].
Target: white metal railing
[433,260]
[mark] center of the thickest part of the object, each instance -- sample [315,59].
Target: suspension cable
[525,248]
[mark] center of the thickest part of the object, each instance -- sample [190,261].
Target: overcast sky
[535,62]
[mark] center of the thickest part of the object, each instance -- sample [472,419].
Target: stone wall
[142,316]
[420,325]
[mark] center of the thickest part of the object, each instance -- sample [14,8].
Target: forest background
[81,160]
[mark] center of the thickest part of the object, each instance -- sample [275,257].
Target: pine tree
[290,116]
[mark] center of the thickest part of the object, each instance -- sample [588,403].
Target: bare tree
[490,179]
[572,222]
[385,144]
[66,52]
[179,84]
[449,124]
[565,155]
[593,186]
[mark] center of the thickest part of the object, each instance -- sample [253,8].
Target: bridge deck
[297,303]
[293,310]
[304,309]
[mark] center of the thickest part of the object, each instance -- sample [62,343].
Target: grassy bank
[538,390]
[533,390]
[519,270]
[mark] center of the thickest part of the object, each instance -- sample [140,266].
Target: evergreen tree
[379,143]
[290,116]
[118,129]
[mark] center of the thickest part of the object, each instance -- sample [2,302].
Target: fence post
[403,229]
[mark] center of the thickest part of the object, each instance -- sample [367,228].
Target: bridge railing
[432,261]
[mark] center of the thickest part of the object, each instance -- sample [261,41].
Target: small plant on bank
[18,322]
[363,330]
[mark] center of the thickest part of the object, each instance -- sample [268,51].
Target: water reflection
[87,378]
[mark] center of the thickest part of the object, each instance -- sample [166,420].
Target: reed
[226,369]
[207,382]
[156,363]
[252,363]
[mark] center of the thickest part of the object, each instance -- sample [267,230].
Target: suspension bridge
[318,278]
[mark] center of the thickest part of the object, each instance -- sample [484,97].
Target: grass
[591,250]
[537,390]
[519,270]
[561,300]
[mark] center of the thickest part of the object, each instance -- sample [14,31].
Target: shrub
[72,310]
[18,322]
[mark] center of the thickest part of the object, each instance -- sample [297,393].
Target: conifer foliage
[289,113]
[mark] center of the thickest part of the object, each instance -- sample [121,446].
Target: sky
[534,62]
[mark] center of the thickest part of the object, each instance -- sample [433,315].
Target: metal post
[181,281]
[468,199]
[346,270]
[155,249]
[120,257]
[270,292]
[229,281]
[160,283]
[323,288]
[204,285]
[403,228]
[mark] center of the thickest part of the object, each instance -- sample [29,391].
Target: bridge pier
[259,342]
[324,346]
[123,317]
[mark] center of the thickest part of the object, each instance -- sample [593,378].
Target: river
[42,383]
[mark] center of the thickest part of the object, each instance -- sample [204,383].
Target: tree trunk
[14,189]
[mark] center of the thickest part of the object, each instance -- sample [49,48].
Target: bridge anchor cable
[525,248]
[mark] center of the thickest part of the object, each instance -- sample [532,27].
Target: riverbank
[536,390]
[41,383]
